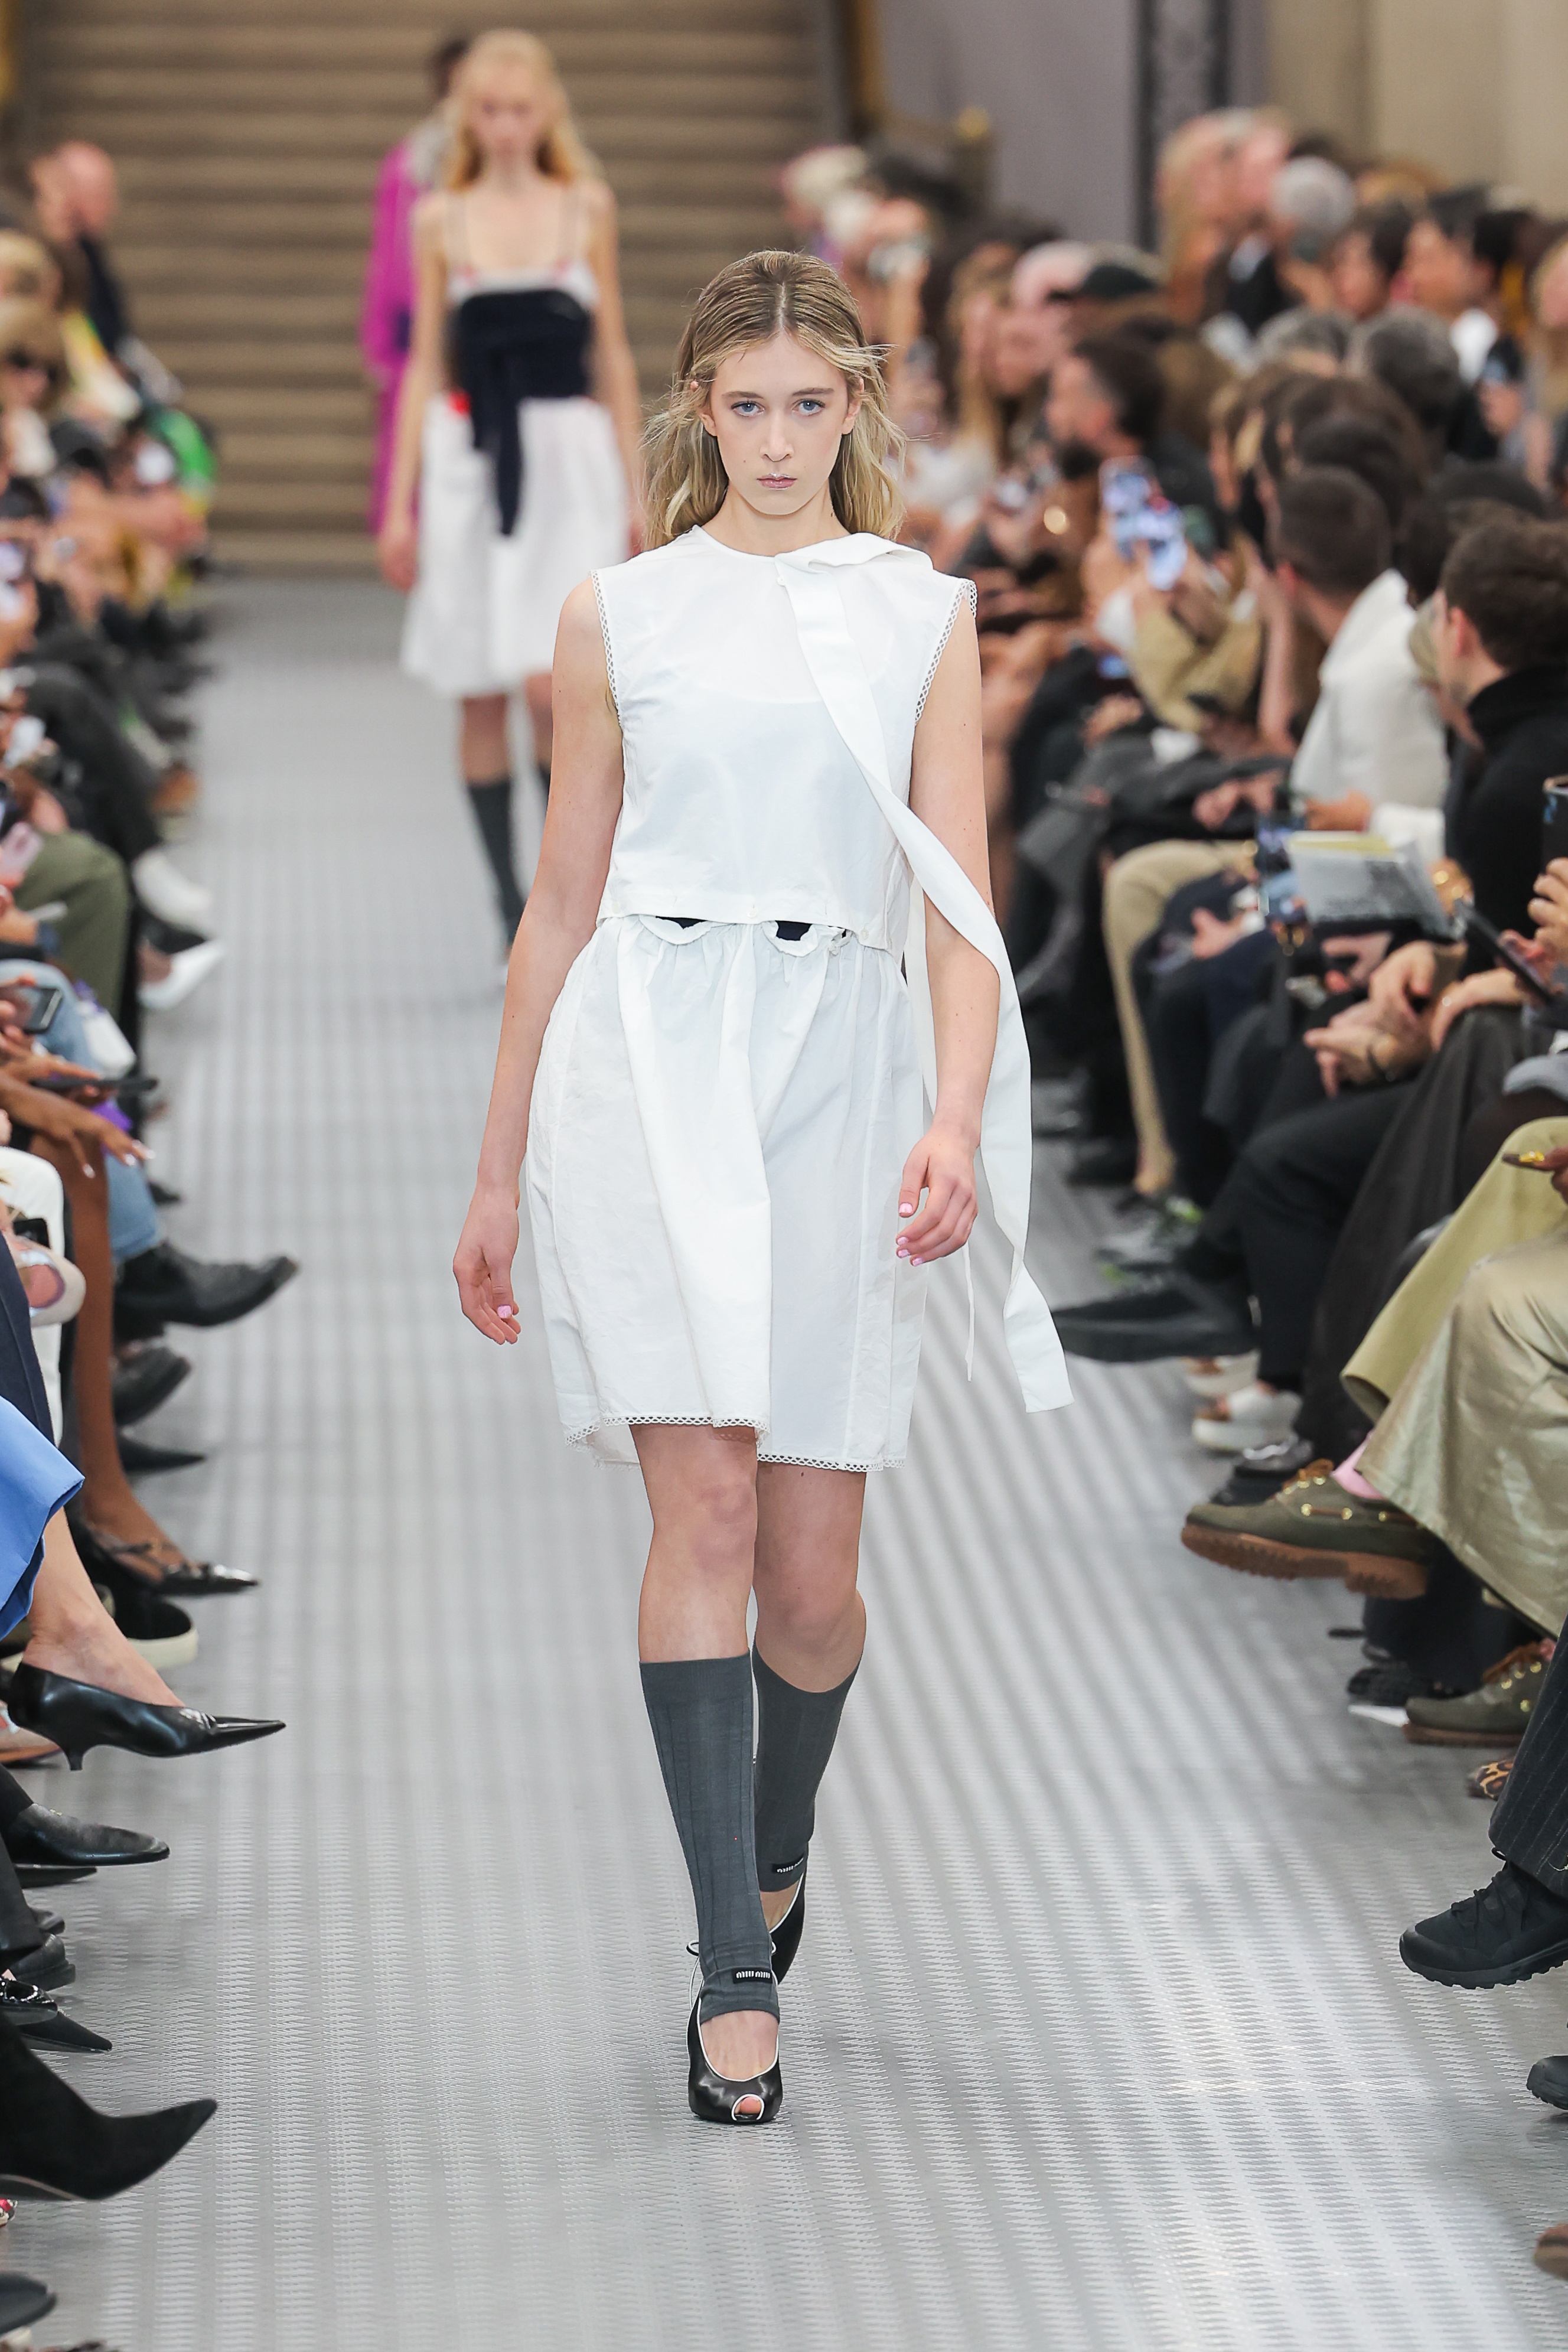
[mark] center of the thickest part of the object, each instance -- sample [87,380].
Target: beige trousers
[1468,1365]
[1137,890]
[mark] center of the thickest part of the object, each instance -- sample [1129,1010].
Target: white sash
[1007,1138]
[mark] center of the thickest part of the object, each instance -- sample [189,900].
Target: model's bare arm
[615,371]
[947,791]
[557,922]
[421,383]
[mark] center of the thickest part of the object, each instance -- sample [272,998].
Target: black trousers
[1530,1827]
[1279,1213]
[113,783]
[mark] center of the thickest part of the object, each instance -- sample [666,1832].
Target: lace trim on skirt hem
[589,1431]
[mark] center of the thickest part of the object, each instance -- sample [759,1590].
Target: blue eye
[745,407]
[813,407]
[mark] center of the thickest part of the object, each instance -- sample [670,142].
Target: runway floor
[1099,2036]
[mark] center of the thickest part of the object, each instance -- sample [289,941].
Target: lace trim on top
[609,648]
[972,593]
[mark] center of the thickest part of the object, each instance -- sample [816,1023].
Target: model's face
[509,116]
[778,415]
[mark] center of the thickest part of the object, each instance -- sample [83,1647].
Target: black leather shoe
[715,2099]
[164,1286]
[22,2300]
[34,2014]
[79,1715]
[145,1380]
[38,1835]
[48,1922]
[52,2143]
[47,1969]
[1179,1317]
[1548,2080]
[1503,1933]
[788,1933]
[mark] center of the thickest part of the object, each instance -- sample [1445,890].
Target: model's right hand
[398,550]
[483,1266]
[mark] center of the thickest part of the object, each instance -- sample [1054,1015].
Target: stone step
[767,119]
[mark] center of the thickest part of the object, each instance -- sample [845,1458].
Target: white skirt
[719,1128]
[485,609]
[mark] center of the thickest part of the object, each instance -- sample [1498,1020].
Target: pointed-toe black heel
[41,1838]
[79,1715]
[787,1935]
[713,2099]
[39,2019]
[52,2143]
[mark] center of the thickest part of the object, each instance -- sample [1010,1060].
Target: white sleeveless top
[767,707]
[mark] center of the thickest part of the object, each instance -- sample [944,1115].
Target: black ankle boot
[52,2143]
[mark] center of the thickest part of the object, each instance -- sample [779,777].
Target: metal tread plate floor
[1099,2036]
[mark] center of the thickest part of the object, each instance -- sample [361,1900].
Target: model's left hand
[942,1168]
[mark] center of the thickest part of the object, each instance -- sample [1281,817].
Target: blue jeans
[132,1213]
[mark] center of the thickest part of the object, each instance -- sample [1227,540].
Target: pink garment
[387,315]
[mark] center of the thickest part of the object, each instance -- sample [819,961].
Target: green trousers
[96,891]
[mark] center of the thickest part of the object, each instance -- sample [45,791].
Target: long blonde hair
[764,295]
[562,154]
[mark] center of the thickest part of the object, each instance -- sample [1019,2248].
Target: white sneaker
[1216,1376]
[1248,1416]
[170,894]
[186,972]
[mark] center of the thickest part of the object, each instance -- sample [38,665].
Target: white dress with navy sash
[721,1116]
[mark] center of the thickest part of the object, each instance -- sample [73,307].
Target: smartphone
[31,1005]
[1125,490]
[1164,537]
[1554,820]
[1478,928]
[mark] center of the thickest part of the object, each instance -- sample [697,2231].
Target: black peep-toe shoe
[715,2099]
[788,1933]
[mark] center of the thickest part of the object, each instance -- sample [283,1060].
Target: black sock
[700,1709]
[19,1931]
[796,1731]
[492,806]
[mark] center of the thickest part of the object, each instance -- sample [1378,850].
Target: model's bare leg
[702,1489]
[72,1633]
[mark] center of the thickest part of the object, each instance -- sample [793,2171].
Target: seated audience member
[1442,274]
[1107,397]
[1245,280]
[1366,258]
[1412,353]
[1374,735]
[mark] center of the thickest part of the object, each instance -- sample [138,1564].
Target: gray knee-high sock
[492,806]
[797,1729]
[700,1709]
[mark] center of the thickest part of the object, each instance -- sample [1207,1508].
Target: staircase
[248,135]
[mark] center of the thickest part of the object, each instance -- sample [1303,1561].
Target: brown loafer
[1315,1528]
